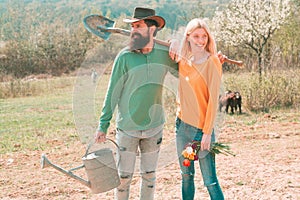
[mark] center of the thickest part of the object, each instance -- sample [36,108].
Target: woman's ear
[187,37]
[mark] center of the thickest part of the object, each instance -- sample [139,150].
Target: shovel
[103,27]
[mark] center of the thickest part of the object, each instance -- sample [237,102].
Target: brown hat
[141,13]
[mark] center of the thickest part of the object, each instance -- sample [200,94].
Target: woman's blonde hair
[185,49]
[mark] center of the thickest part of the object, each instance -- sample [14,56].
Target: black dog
[237,102]
[232,100]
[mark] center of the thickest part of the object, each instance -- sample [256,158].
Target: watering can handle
[90,144]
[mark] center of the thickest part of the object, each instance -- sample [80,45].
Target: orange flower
[191,150]
[186,163]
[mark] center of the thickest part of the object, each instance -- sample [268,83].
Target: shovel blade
[93,22]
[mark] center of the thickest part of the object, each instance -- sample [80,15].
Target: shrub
[54,50]
[34,86]
[273,90]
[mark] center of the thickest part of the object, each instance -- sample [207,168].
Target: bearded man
[135,88]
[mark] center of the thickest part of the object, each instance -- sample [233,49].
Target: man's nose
[134,29]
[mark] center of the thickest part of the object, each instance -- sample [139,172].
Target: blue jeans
[186,133]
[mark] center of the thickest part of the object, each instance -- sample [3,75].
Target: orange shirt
[198,91]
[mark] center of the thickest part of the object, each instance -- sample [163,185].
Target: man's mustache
[136,34]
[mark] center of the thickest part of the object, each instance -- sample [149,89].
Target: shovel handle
[161,42]
[127,33]
[114,30]
[236,62]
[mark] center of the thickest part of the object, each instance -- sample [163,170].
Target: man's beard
[138,42]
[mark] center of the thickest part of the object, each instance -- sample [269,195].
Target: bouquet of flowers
[190,152]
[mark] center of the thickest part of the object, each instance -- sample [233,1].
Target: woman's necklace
[197,61]
[200,59]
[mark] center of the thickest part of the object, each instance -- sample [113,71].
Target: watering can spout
[46,163]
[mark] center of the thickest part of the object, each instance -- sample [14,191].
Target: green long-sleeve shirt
[135,86]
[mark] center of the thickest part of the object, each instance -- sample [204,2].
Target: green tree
[287,40]
[251,24]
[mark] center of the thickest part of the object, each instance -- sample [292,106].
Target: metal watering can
[100,168]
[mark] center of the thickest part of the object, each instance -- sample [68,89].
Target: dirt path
[267,167]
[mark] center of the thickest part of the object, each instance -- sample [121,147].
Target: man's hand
[100,137]
[174,48]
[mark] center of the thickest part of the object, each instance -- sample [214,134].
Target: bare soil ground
[266,167]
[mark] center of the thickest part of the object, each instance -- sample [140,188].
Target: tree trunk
[259,55]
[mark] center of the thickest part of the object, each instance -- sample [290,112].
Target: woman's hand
[205,142]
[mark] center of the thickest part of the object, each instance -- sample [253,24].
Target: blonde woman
[200,74]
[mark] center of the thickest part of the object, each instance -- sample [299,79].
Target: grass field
[27,123]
